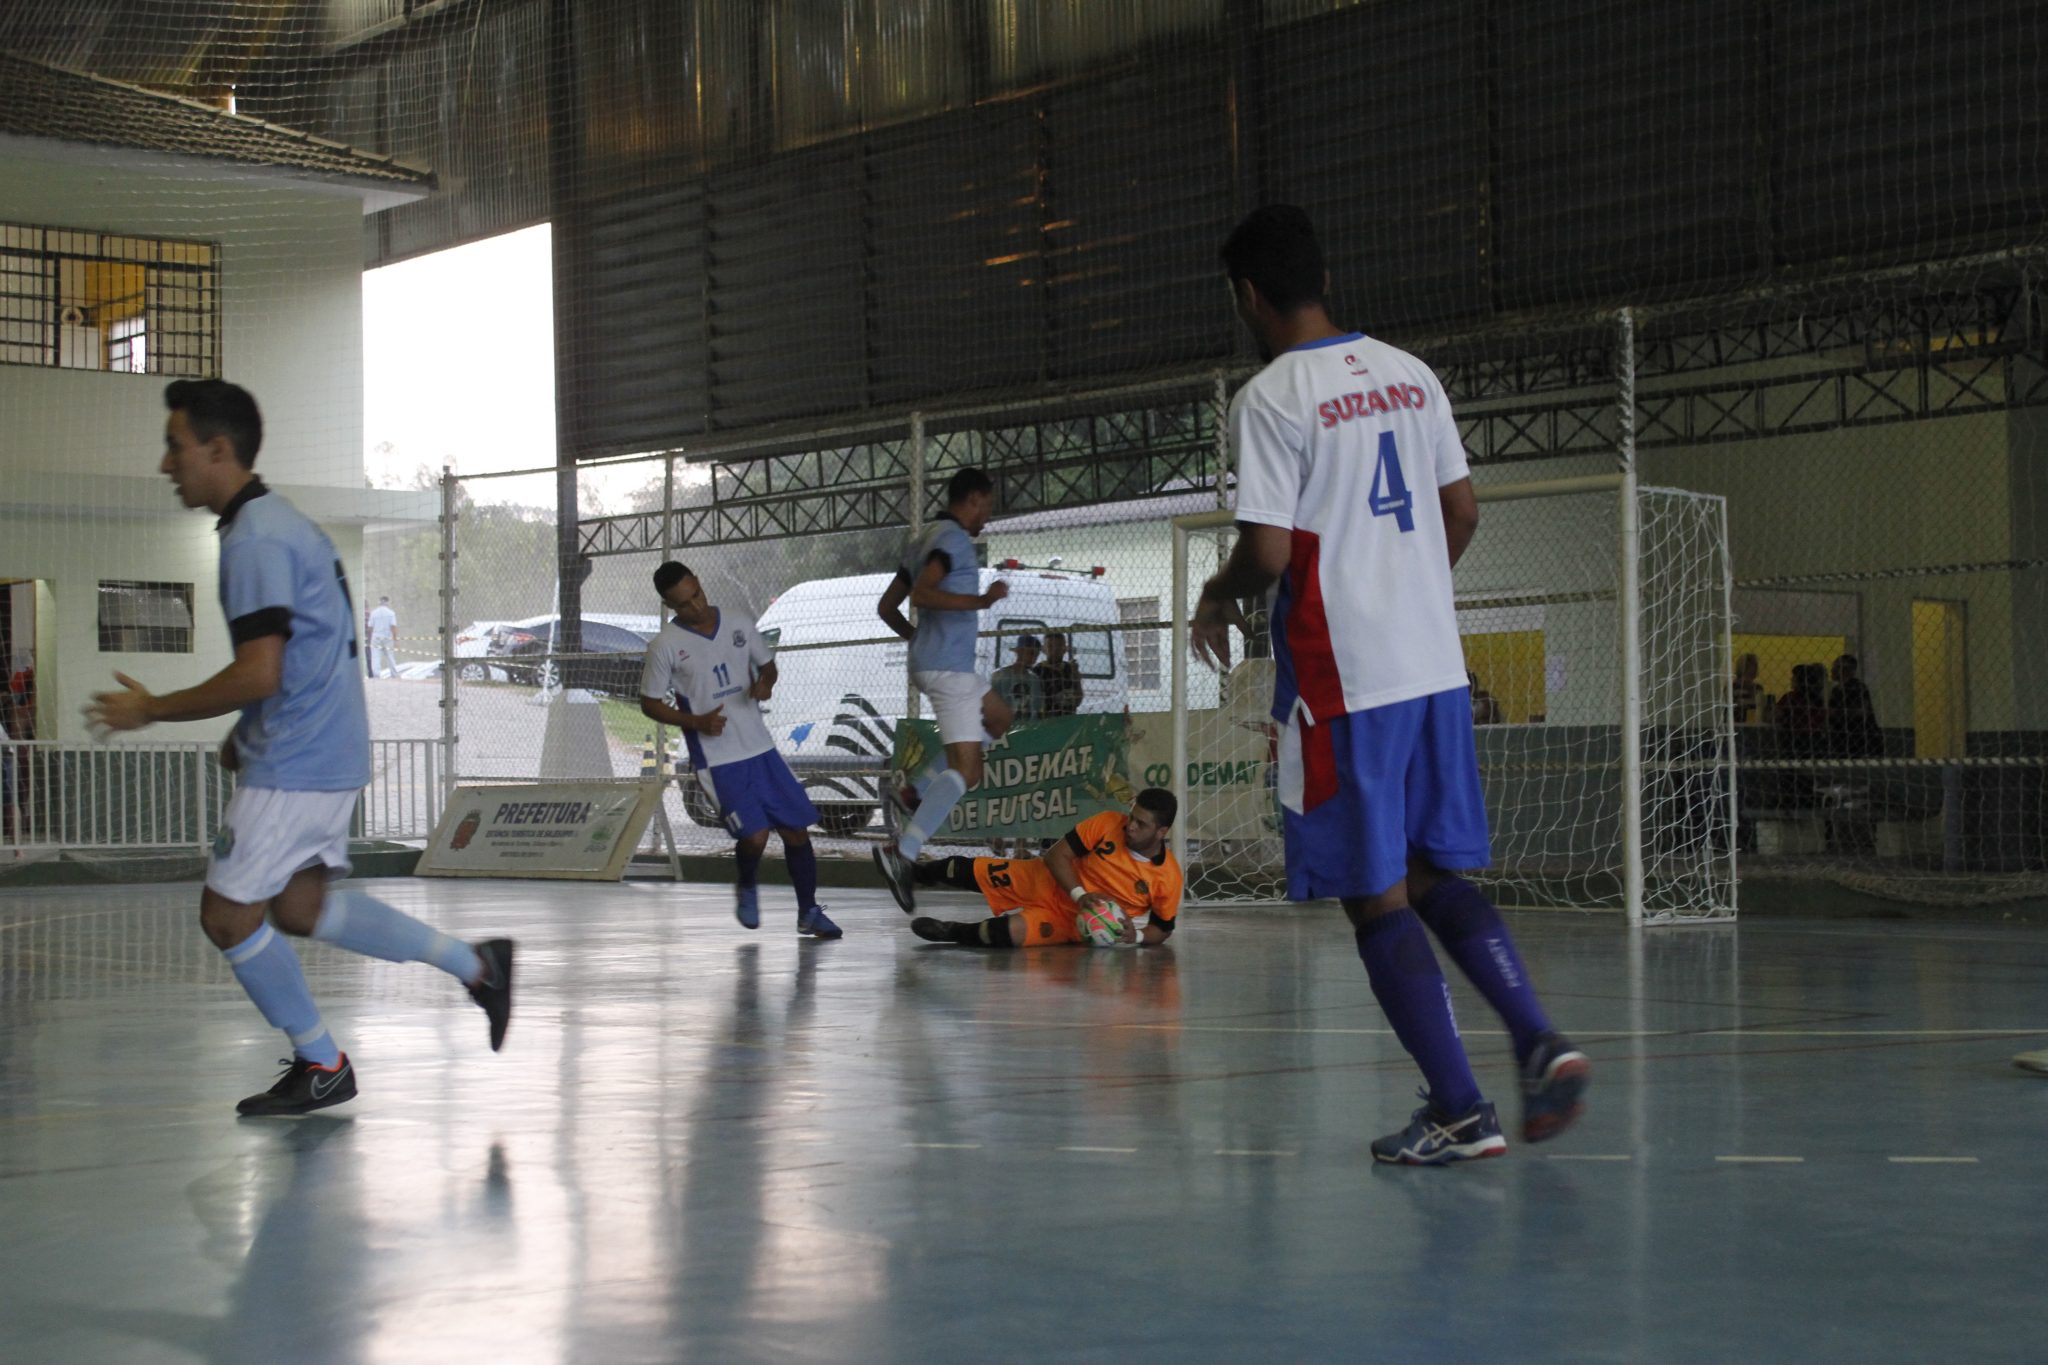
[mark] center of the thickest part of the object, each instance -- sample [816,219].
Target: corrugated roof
[45,101]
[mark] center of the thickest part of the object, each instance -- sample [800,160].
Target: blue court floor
[1806,1143]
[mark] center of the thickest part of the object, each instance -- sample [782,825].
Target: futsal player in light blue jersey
[301,746]
[941,576]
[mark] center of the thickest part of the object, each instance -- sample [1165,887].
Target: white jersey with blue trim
[702,671]
[1344,442]
[280,575]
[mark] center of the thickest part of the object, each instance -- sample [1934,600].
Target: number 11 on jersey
[724,674]
[1389,491]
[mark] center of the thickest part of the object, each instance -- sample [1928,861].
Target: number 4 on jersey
[1389,493]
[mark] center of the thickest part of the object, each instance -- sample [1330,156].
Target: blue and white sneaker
[1434,1138]
[1554,1081]
[815,923]
[747,908]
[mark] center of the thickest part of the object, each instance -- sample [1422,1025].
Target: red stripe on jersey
[1308,632]
[1318,764]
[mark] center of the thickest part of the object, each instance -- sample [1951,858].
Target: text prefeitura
[542,813]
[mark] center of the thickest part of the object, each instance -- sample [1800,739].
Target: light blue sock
[363,924]
[269,971]
[940,797]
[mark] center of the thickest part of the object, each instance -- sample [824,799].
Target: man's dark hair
[1160,802]
[214,407]
[965,484]
[668,574]
[1052,635]
[1276,249]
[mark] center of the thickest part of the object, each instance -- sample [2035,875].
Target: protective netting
[1540,599]
[818,256]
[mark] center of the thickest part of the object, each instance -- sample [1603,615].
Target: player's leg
[956,700]
[253,859]
[1446,813]
[358,922]
[802,859]
[958,873]
[747,853]
[1341,790]
[1027,926]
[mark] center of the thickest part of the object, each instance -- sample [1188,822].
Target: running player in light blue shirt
[940,575]
[707,674]
[301,745]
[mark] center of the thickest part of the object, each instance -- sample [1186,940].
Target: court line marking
[1247,1151]
[946,1146]
[1117,1151]
[1763,1160]
[1932,1160]
[1610,1035]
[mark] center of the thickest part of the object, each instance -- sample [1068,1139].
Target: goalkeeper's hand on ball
[1101,920]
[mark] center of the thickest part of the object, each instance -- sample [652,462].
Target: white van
[836,704]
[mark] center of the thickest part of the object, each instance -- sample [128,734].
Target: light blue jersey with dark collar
[945,640]
[280,575]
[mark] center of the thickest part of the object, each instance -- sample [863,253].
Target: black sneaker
[303,1088]
[1434,1138]
[896,871]
[936,930]
[1553,1087]
[493,990]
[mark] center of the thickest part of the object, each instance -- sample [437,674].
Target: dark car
[614,670]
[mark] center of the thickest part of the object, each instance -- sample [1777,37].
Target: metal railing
[172,794]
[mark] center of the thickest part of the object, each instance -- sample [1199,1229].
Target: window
[76,300]
[1141,646]
[145,618]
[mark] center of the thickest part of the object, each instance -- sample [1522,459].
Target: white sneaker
[2032,1061]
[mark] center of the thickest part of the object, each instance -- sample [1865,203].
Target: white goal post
[1596,615]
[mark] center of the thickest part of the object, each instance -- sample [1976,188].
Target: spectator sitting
[1746,692]
[1802,714]
[1018,684]
[1852,715]
[1485,708]
[1059,677]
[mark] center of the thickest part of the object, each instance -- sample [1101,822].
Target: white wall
[291,332]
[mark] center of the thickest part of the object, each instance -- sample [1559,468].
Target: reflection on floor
[1806,1143]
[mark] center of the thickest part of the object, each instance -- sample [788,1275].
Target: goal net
[1600,704]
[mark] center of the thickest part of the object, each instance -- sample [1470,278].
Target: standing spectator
[1852,715]
[1485,706]
[383,640]
[1018,684]
[1802,715]
[1059,677]
[1746,692]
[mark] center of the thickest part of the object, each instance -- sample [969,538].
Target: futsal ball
[1102,922]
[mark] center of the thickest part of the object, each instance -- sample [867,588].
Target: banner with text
[1038,781]
[582,830]
[1230,783]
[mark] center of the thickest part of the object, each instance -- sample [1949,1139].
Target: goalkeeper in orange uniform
[1117,857]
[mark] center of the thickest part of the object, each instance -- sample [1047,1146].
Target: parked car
[528,646]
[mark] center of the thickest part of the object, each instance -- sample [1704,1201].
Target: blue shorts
[1363,791]
[758,793]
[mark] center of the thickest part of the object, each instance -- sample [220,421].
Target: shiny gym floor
[1806,1143]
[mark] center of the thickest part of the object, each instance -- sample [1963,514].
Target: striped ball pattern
[1102,923]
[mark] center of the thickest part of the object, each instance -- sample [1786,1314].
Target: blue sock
[803,872]
[750,865]
[269,971]
[940,797]
[363,924]
[1411,989]
[1472,933]
[922,783]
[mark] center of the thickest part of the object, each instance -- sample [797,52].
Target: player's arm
[711,722]
[1063,860]
[1256,562]
[256,673]
[1270,455]
[890,608]
[927,595]
[1461,515]
[763,686]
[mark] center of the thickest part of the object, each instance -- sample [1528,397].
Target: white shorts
[268,836]
[956,703]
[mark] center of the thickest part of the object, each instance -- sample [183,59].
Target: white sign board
[584,830]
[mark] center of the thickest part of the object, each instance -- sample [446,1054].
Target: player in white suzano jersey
[1354,500]
[707,674]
